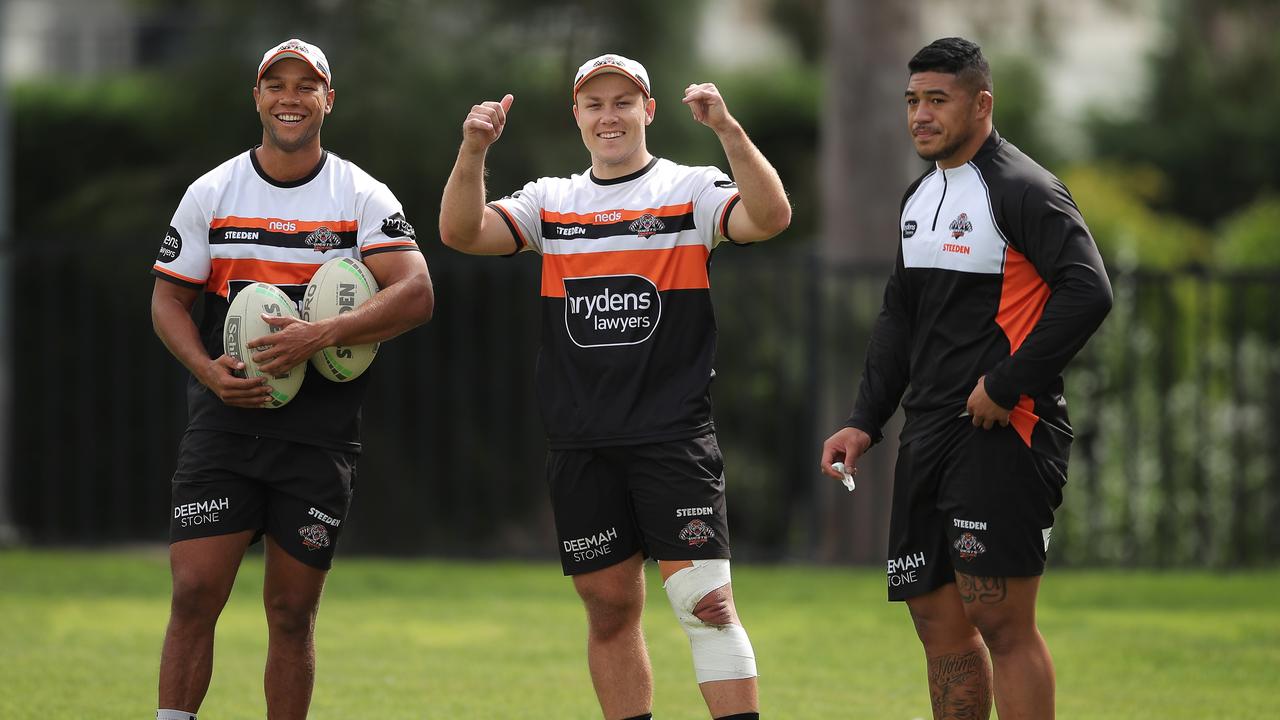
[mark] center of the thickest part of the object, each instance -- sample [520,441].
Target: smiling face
[612,114]
[292,101]
[948,119]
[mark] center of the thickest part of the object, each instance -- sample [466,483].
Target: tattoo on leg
[986,590]
[960,686]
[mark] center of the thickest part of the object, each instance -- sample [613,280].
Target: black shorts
[227,483]
[969,500]
[663,499]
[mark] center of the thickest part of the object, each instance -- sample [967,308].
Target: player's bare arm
[466,224]
[985,412]
[171,318]
[404,301]
[763,210]
[847,445]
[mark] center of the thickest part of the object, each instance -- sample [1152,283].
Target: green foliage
[116,153]
[1020,100]
[1248,239]
[779,107]
[85,155]
[1172,403]
[1116,203]
[1207,120]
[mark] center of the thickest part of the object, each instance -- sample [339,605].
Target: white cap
[302,50]
[611,63]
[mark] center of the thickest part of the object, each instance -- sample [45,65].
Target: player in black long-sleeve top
[997,285]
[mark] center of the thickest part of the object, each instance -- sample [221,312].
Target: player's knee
[703,604]
[610,614]
[943,630]
[716,607]
[606,622]
[928,628]
[196,600]
[1001,631]
[290,615]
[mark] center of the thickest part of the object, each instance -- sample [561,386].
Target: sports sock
[163,714]
[646,716]
[741,716]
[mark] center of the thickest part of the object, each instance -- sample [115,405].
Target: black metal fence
[1174,404]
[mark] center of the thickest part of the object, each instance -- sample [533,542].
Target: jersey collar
[253,158]
[625,178]
[993,141]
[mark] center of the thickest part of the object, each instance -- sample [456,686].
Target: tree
[1208,119]
[867,162]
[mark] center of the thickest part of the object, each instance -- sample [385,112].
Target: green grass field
[80,637]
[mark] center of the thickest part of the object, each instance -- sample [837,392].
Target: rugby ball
[340,286]
[244,323]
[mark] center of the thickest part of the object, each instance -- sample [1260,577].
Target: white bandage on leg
[720,652]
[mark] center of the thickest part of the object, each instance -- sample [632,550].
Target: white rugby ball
[244,323]
[339,286]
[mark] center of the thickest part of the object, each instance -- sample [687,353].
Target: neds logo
[609,310]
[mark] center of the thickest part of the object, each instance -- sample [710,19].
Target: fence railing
[1175,404]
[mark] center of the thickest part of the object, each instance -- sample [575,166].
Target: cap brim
[284,54]
[610,69]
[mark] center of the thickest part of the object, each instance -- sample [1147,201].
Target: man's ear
[650,106]
[986,104]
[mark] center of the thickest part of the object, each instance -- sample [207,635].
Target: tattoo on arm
[960,686]
[985,590]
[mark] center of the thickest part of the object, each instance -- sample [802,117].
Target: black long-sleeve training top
[996,275]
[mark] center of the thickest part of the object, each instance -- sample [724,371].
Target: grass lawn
[80,636]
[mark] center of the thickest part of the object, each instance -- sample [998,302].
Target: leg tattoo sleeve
[960,686]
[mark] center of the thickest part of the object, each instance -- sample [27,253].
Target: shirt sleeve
[887,369]
[1044,225]
[714,199]
[383,227]
[522,213]
[183,257]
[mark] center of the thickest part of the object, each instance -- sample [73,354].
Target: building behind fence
[1173,403]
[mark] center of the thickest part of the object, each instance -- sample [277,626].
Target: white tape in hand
[848,475]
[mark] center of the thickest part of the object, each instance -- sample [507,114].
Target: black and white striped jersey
[996,276]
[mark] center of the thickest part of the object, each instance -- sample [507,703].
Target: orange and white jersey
[235,226]
[628,328]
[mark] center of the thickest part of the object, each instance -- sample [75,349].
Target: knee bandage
[720,652]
